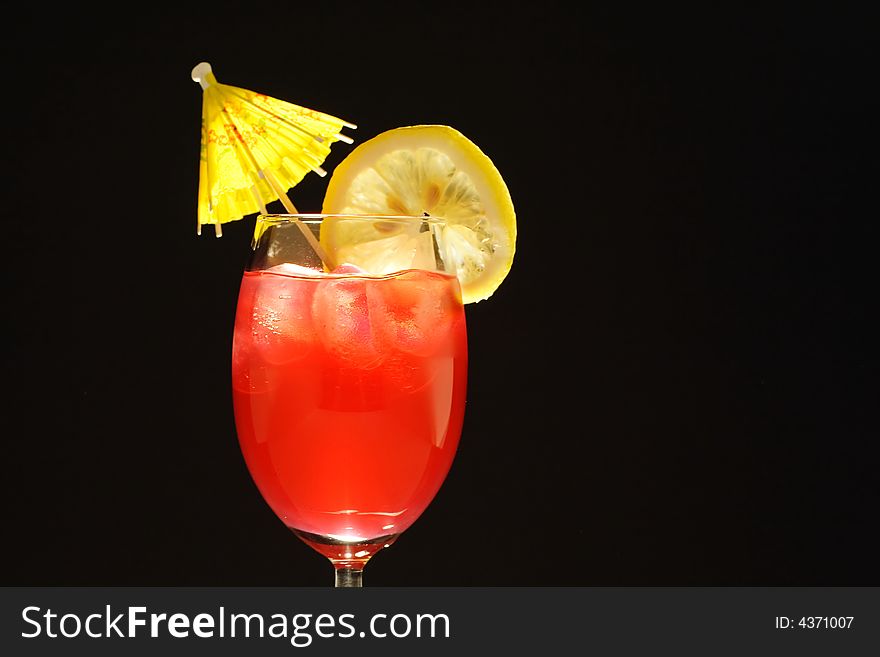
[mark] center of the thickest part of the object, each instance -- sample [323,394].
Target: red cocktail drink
[349,395]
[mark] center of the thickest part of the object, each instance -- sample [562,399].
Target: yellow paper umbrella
[254,148]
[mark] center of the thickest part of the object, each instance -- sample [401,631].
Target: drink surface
[349,396]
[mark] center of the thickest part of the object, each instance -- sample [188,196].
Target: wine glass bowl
[349,375]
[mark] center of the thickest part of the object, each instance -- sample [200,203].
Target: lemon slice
[423,170]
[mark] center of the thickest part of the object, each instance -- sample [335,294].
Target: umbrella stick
[291,209]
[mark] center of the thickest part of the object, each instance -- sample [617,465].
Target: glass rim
[318,217]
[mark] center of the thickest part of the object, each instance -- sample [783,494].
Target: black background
[674,385]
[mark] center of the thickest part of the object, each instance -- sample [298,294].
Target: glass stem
[349,575]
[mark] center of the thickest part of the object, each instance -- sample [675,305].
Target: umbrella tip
[200,74]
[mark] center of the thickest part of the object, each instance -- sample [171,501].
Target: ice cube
[250,373]
[348,268]
[290,269]
[341,316]
[281,317]
[413,312]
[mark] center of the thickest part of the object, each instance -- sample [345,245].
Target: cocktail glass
[349,381]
